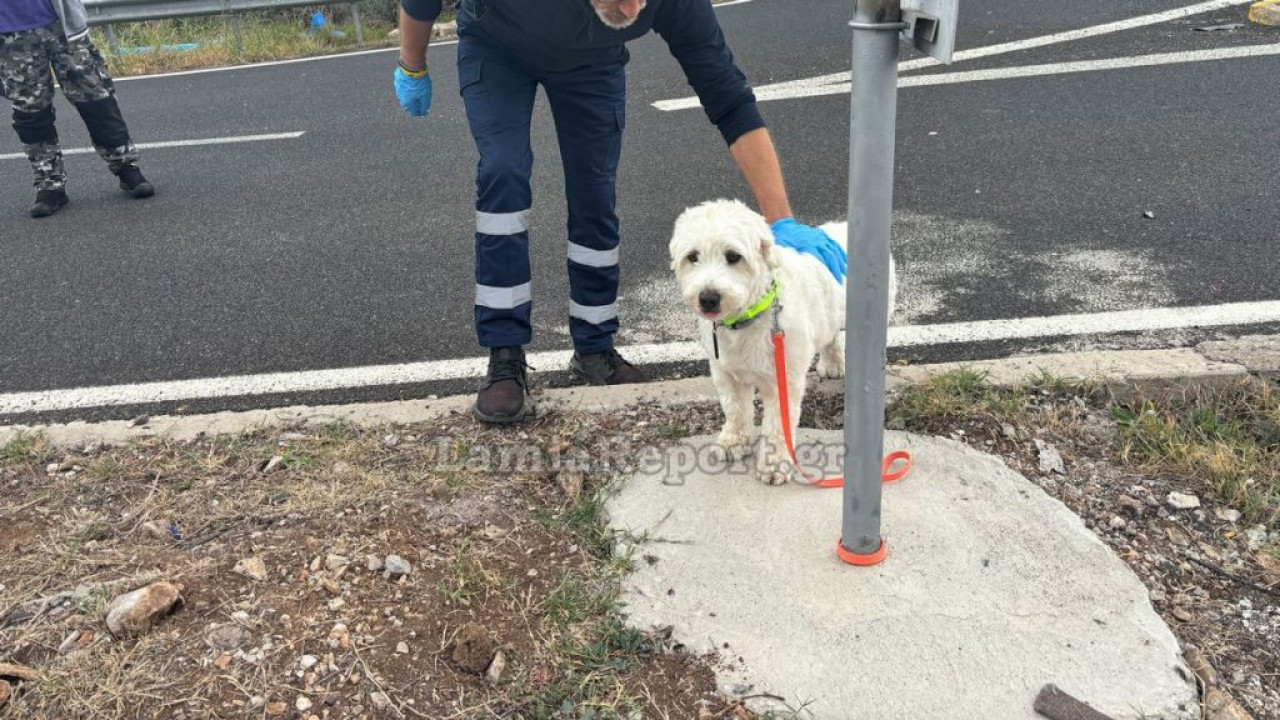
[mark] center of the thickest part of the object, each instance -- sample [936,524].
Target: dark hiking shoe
[48,202]
[502,394]
[605,368]
[132,182]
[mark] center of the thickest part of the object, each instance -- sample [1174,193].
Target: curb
[1121,371]
[1265,12]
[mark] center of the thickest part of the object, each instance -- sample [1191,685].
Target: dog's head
[722,254]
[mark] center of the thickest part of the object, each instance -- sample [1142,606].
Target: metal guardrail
[109,12]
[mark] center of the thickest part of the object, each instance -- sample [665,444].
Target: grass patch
[25,448]
[957,394]
[1228,436]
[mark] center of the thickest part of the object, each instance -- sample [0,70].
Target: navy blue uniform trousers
[588,105]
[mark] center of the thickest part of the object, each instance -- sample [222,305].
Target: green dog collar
[751,313]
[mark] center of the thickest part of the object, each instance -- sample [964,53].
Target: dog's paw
[773,468]
[731,446]
[831,362]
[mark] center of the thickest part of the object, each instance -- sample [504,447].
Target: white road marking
[1066,68]
[1248,313]
[800,87]
[231,140]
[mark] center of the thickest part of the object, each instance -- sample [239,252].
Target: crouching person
[39,35]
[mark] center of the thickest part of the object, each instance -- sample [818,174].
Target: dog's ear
[767,248]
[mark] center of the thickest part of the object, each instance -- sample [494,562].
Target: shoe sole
[50,212]
[500,419]
[576,370]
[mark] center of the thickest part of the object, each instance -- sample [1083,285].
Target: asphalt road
[352,244]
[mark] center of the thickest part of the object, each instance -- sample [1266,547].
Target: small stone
[228,637]
[373,563]
[6,692]
[1218,705]
[1230,515]
[1130,505]
[494,674]
[1157,595]
[331,586]
[51,469]
[1116,523]
[303,703]
[272,465]
[1182,501]
[137,612]
[252,567]
[257,701]
[1009,431]
[337,603]
[1050,458]
[334,563]
[1256,536]
[391,440]
[308,661]
[396,566]
[277,708]
[140,420]
[339,637]
[402,648]
[1148,215]
[155,531]
[222,661]
[380,700]
[1182,614]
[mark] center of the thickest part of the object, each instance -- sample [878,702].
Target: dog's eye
[692,257]
[732,257]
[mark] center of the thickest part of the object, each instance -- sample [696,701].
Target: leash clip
[777,326]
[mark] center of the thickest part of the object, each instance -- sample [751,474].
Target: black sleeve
[694,36]
[424,10]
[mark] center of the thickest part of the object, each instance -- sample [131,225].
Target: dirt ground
[280,541]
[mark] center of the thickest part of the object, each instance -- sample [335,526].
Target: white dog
[726,263]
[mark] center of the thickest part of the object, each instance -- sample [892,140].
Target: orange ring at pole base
[853,558]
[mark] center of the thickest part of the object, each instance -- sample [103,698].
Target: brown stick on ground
[1057,705]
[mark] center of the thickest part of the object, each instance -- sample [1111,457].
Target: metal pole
[235,28]
[112,43]
[873,108]
[355,18]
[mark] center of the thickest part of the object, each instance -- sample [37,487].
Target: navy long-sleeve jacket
[557,35]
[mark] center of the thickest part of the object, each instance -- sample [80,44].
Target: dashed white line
[231,140]
[1236,314]
[804,87]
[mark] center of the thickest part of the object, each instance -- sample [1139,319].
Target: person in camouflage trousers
[41,39]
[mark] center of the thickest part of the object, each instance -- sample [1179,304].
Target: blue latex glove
[811,241]
[414,93]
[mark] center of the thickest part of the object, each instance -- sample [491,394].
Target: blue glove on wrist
[811,241]
[414,93]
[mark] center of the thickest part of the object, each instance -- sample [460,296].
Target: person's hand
[811,241]
[414,91]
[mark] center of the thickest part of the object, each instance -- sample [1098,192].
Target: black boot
[132,182]
[605,368]
[502,394]
[48,202]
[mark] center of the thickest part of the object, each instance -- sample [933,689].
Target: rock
[1200,666]
[6,692]
[1182,501]
[391,440]
[303,703]
[380,700]
[331,586]
[1050,458]
[472,649]
[252,567]
[1116,523]
[308,661]
[494,674]
[1256,536]
[137,612]
[334,563]
[402,648]
[337,604]
[1148,215]
[155,530]
[395,33]
[1182,614]
[272,465]
[228,637]
[277,708]
[140,420]
[222,661]
[339,637]
[373,563]
[1009,431]
[1230,515]
[396,566]
[1130,505]
[1218,705]
[570,484]
[1270,567]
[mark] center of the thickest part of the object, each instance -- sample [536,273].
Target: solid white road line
[987,51]
[1248,313]
[180,143]
[1191,56]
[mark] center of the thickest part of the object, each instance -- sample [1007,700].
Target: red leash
[780,370]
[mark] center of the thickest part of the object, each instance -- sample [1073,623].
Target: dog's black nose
[709,301]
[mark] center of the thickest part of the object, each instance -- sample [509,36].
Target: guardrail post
[237,31]
[112,43]
[355,18]
[873,110]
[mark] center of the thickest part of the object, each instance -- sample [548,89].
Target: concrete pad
[1265,12]
[1257,353]
[991,589]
